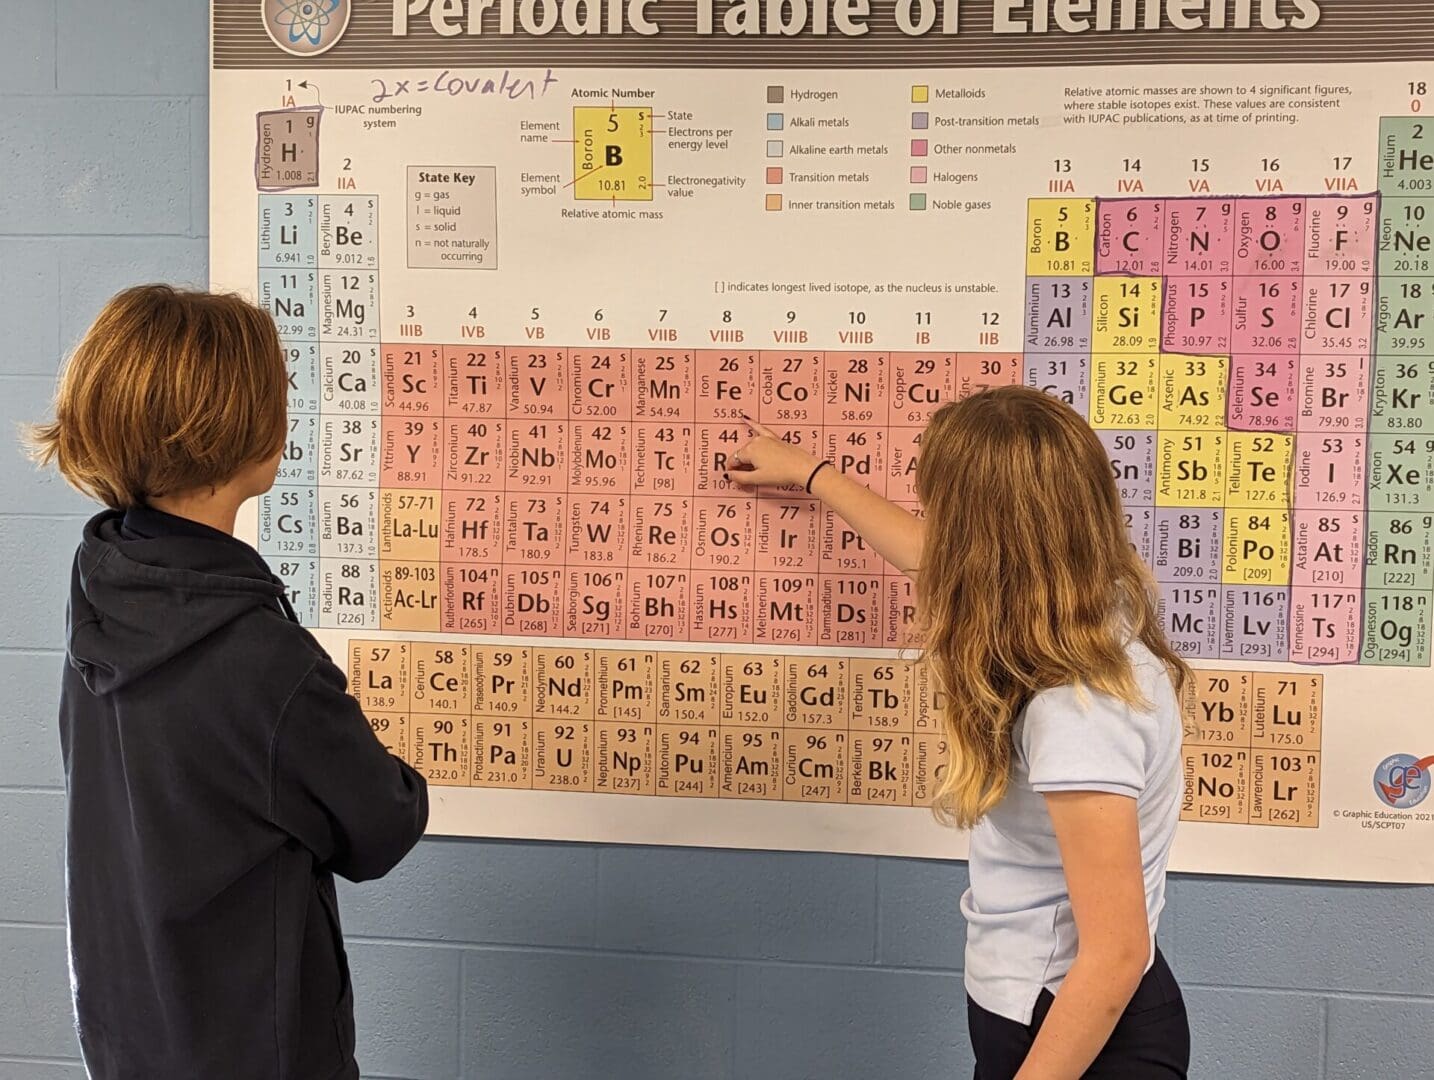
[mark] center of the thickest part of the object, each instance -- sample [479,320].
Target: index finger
[758,428]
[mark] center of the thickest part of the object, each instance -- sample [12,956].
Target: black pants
[1151,1041]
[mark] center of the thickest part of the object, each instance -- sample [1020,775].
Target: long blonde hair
[1028,579]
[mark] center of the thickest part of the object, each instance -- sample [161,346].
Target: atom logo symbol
[306,27]
[306,19]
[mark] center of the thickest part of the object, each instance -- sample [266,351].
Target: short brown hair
[170,390]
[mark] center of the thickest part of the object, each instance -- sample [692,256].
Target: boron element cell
[1060,237]
[612,153]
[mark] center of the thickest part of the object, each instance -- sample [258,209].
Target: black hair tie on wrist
[818,469]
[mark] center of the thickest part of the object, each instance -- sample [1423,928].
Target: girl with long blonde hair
[1038,620]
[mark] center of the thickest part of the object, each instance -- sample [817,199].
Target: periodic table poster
[533,260]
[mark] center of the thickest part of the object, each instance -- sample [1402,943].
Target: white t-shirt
[1022,935]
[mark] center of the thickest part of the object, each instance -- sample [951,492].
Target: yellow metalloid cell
[612,153]
[1060,238]
[1257,547]
[1193,392]
[1127,315]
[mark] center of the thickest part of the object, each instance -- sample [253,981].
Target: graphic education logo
[1402,780]
[306,27]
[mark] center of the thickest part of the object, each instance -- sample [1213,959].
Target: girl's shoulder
[1152,677]
[1074,737]
[1083,707]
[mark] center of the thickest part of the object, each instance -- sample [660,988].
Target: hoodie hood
[146,586]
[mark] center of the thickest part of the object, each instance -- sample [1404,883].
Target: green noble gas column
[1400,566]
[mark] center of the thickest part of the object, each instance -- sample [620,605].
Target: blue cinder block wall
[543,961]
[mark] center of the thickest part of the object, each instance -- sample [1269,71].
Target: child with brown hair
[217,772]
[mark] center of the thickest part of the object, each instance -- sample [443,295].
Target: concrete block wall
[549,961]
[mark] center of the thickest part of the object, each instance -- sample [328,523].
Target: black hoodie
[218,774]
